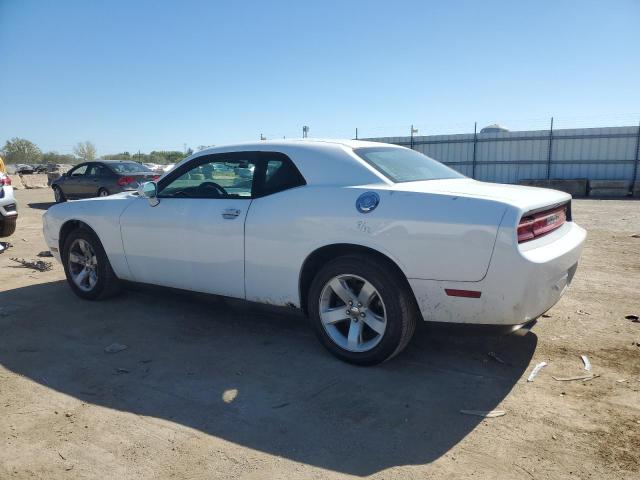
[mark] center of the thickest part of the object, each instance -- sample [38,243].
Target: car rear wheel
[103,192]
[58,195]
[87,267]
[363,313]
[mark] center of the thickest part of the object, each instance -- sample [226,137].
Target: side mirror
[149,190]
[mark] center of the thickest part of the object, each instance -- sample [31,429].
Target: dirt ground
[213,388]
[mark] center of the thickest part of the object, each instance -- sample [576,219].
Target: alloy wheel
[352,313]
[83,265]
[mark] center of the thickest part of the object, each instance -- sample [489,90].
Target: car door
[74,183]
[89,188]
[194,237]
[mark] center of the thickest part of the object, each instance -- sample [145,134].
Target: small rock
[45,253]
[634,318]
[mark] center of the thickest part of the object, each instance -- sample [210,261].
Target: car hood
[525,198]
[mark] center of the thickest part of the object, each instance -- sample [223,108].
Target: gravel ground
[214,388]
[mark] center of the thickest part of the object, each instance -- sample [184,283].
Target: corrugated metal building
[609,153]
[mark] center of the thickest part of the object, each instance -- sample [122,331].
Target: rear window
[404,165]
[129,167]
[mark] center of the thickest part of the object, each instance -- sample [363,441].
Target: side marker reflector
[462,293]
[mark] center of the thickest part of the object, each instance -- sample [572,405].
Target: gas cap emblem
[367,202]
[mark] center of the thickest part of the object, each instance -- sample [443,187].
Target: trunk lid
[524,198]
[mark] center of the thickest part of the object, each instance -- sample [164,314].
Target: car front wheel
[58,195]
[363,312]
[87,267]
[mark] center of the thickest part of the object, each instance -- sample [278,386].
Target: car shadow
[256,376]
[41,205]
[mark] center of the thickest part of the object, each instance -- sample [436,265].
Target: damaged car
[8,207]
[365,238]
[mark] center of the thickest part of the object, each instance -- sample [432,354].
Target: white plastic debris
[484,413]
[536,370]
[580,377]
[587,363]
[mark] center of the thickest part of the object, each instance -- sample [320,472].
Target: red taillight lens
[452,292]
[122,181]
[155,177]
[541,223]
[5,181]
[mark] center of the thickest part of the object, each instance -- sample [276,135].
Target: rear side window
[99,170]
[404,165]
[280,175]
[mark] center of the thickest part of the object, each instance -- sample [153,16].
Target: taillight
[155,177]
[541,223]
[5,181]
[122,181]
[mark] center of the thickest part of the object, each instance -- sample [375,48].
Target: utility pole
[356,133]
[305,131]
[550,150]
[475,142]
[413,130]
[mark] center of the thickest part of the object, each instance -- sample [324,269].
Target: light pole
[305,131]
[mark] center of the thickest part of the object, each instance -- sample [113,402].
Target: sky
[159,75]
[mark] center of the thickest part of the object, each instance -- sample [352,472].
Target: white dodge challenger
[365,238]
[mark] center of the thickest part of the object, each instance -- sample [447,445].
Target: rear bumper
[521,284]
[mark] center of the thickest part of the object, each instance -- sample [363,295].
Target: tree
[21,150]
[55,157]
[117,156]
[85,151]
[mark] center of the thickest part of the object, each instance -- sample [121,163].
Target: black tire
[58,194]
[103,192]
[8,226]
[393,290]
[107,283]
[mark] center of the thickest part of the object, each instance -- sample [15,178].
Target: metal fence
[609,153]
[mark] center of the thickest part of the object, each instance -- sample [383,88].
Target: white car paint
[453,233]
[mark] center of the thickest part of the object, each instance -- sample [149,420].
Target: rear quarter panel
[429,236]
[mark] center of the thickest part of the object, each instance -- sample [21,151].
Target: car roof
[317,143]
[115,161]
[321,161]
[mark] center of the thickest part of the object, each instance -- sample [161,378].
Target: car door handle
[230,213]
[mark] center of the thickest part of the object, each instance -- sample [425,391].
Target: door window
[220,178]
[79,171]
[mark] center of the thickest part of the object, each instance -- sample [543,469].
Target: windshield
[404,165]
[129,167]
